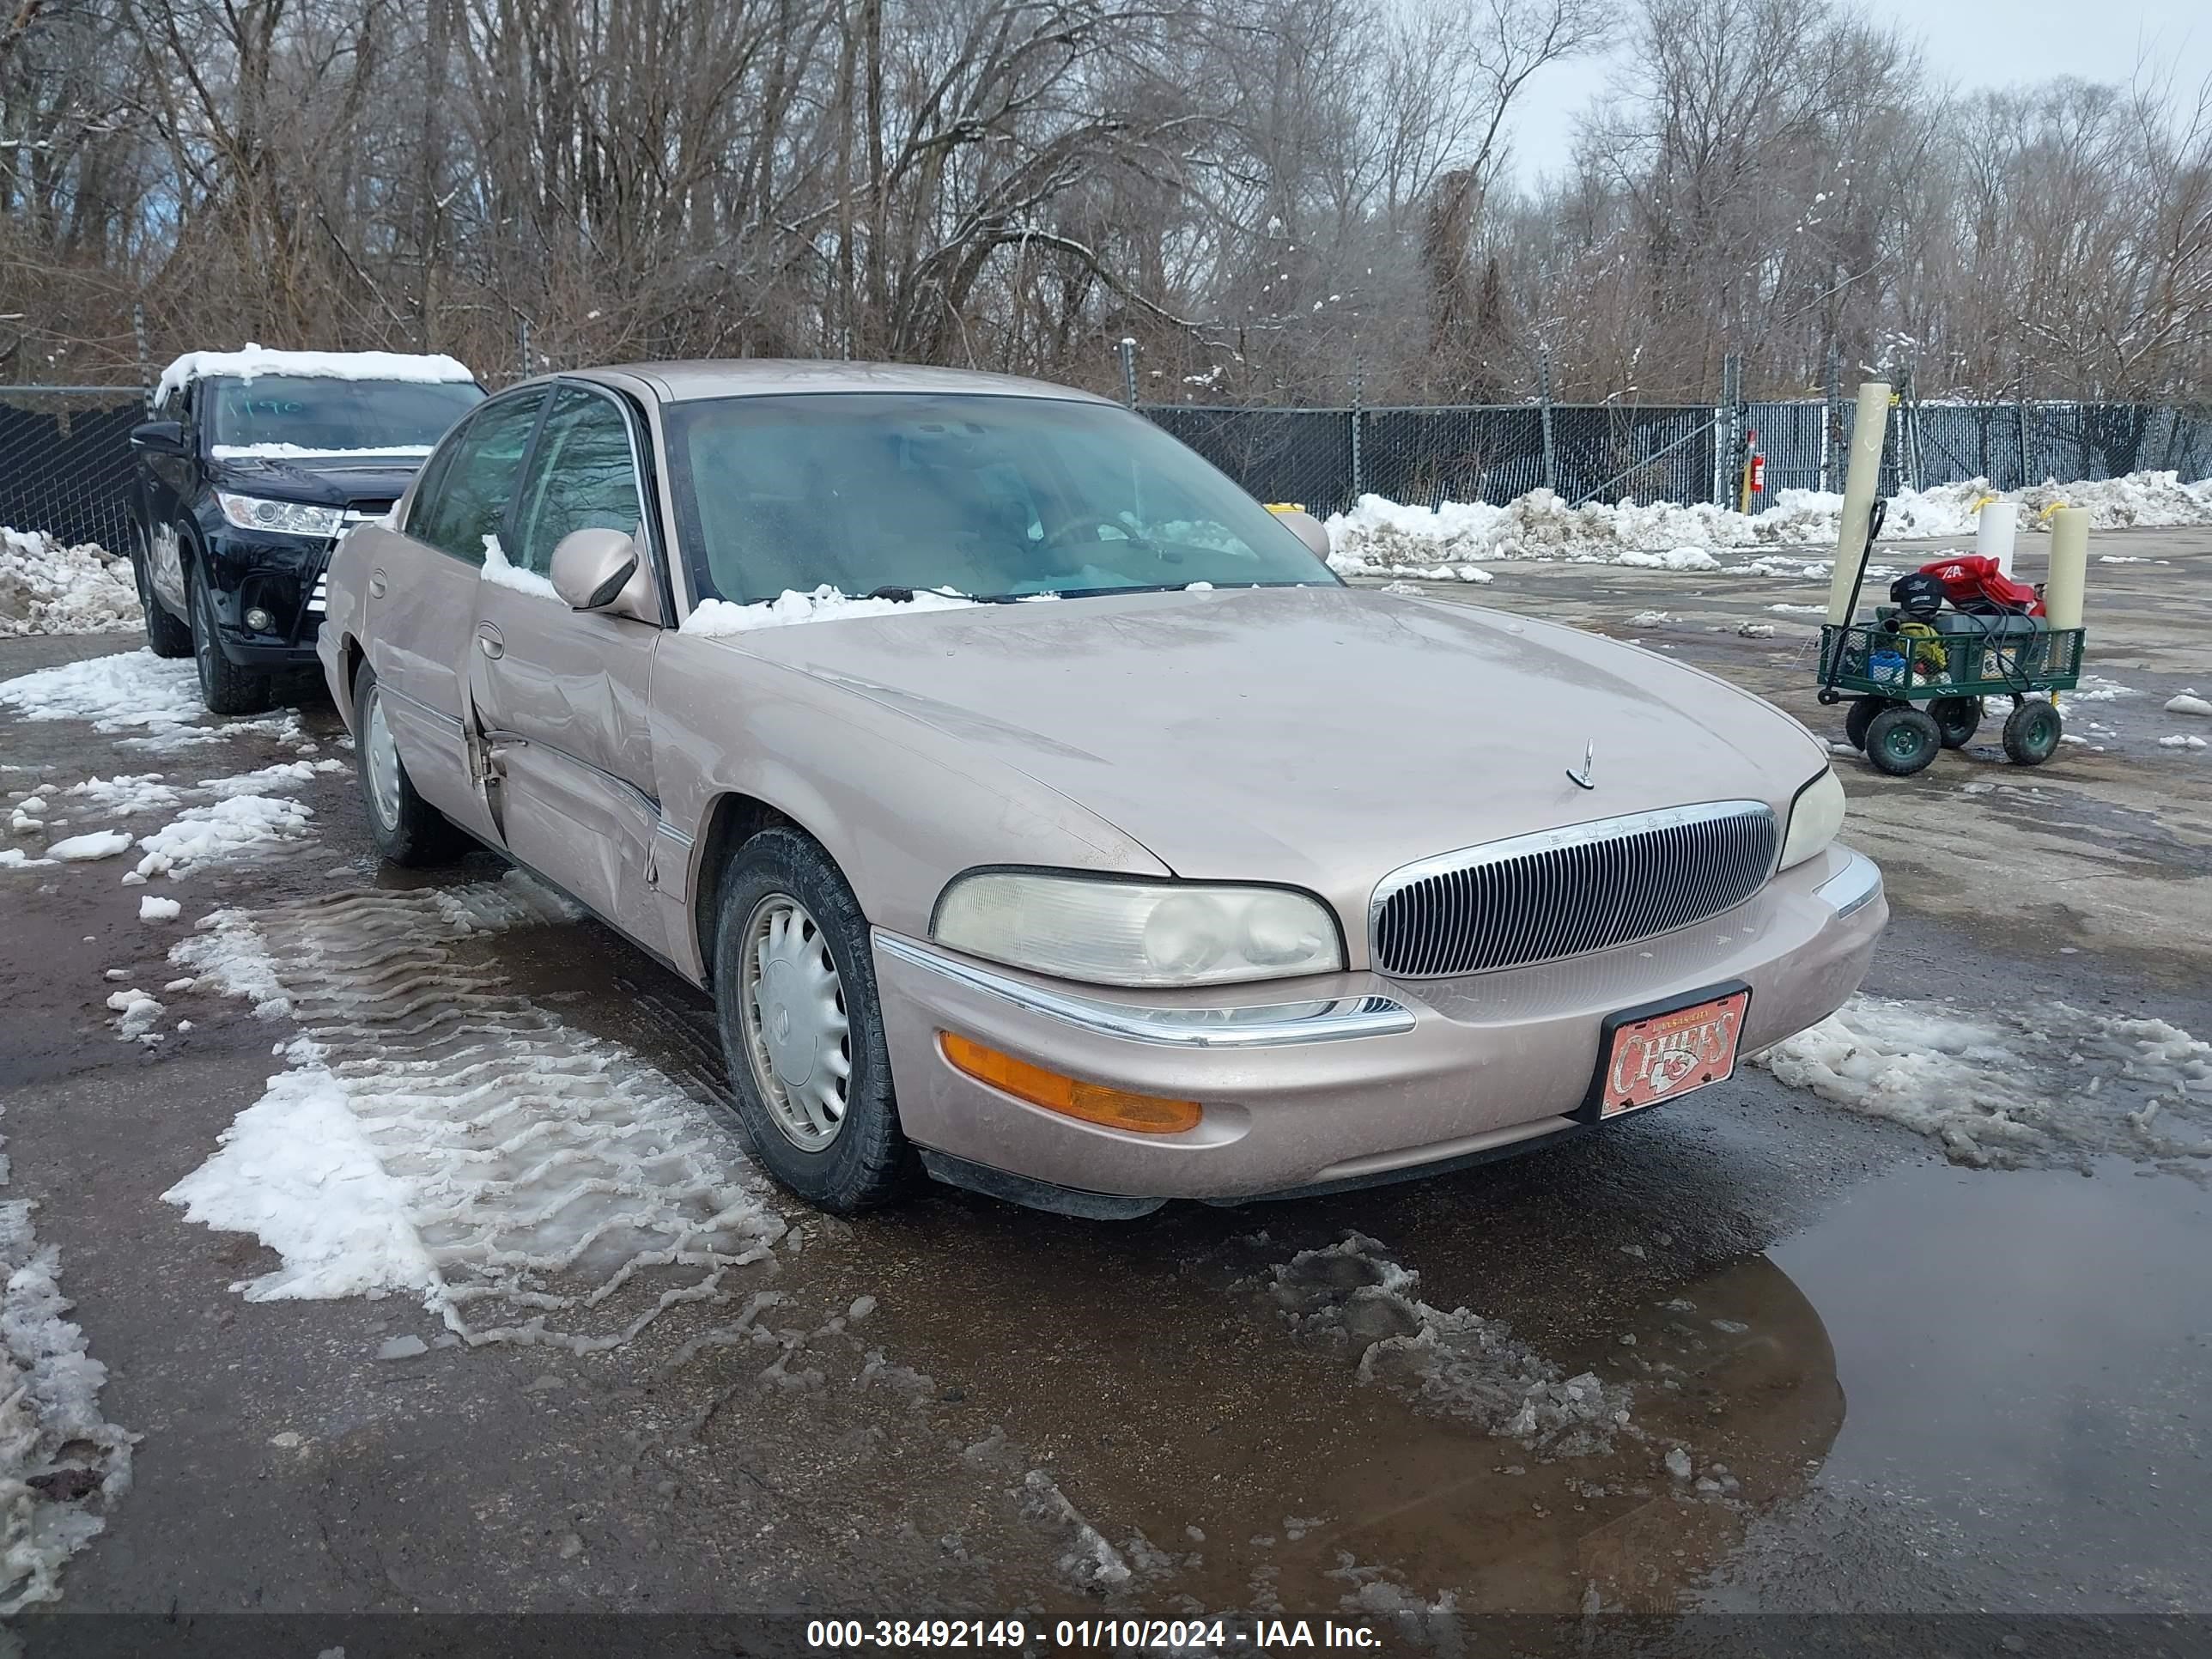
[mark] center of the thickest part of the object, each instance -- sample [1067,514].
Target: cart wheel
[1958,719]
[1902,740]
[2031,733]
[1861,716]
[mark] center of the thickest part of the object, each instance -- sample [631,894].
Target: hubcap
[383,756]
[792,1004]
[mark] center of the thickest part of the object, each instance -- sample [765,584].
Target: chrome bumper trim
[1269,1025]
[1854,887]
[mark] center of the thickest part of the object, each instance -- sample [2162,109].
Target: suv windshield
[285,414]
[988,496]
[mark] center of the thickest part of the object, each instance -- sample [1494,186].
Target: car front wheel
[407,829]
[795,1000]
[226,688]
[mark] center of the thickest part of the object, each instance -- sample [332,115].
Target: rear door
[563,695]
[422,589]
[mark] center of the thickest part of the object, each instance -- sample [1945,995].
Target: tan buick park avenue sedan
[1040,812]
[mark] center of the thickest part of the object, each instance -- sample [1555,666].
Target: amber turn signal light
[1094,1103]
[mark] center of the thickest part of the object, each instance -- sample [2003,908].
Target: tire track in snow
[438,1133]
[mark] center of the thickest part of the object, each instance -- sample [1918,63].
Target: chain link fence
[66,461]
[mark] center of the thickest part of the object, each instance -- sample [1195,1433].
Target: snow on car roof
[256,360]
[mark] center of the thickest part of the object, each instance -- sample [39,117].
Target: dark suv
[252,465]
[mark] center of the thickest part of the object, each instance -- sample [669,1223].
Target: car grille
[1563,892]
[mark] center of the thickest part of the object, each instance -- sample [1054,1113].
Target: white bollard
[1860,483]
[2069,567]
[1994,532]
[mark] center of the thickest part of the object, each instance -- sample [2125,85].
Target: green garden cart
[1917,688]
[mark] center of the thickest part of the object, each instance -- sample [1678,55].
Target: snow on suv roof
[256,360]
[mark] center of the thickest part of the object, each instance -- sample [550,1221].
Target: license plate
[1662,1056]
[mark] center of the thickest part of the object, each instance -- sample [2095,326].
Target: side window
[582,479]
[466,500]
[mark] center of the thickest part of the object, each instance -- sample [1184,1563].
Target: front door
[422,589]
[563,695]
[165,482]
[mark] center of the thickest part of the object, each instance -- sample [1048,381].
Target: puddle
[2026,1358]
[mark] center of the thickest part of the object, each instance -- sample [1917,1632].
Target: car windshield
[282,414]
[986,496]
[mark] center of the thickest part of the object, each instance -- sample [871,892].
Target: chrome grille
[1563,892]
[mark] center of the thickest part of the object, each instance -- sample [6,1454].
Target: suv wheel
[168,636]
[407,829]
[795,998]
[225,688]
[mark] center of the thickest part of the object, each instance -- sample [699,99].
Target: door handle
[376,584]
[488,641]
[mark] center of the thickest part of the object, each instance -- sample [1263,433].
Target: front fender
[900,807]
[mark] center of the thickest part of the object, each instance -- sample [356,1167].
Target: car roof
[760,377]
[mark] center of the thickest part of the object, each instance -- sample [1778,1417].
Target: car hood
[330,481]
[1319,736]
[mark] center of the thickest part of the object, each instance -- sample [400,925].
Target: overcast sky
[1969,43]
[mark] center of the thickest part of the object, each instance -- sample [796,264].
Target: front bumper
[1364,1078]
[281,574]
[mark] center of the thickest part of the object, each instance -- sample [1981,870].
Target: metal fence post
[2021,404]
[522,347]
[1908,431]
[145,356]
[1728,430]
[1358,422]
[1832,421]
[1126,350]
[1544,404]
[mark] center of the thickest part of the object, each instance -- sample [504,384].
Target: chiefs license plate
[1663,1055]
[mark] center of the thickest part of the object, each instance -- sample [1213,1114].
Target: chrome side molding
[1265,1025]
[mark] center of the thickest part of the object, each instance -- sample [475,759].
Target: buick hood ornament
[1587,778]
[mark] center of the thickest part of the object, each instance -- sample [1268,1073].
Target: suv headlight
[1815,818]
[286,518]
[1148,933]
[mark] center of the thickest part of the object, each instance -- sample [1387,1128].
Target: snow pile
[713,618]
[129,690]
[100,844]
[159,909]
[123,795]
[136,1012]
[48,588]
[2146,500]
[236,826]
[62,1465]
[2189,703]
[2001,1089]
[2180,740]
[256,360]
[1382,537]
[1457,1364]
[437,1134]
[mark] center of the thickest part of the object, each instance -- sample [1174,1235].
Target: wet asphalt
[1928,1388]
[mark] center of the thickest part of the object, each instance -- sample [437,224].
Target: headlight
[287,518]
[1137,933]
[1815,816]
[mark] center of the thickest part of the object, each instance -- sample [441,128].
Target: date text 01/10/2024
[1170,1634]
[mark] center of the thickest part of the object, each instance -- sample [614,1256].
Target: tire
[167,635]
[225,688]
[407,829]
[1901,741]
[834,1142]
[1861,715]
[1957,718]
[2031,733]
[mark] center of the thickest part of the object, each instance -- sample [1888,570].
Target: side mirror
[590,567]
[158,437]
[1308,529]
